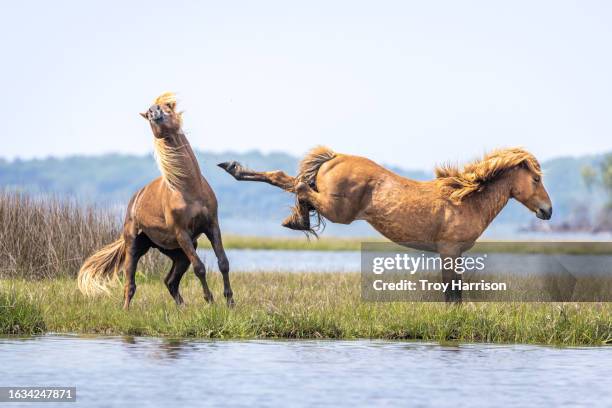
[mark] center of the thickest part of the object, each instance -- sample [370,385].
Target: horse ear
[144,115]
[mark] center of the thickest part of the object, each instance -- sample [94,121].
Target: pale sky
[405,83]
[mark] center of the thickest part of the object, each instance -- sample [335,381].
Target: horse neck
[489,203]
[186,172]
[190,156]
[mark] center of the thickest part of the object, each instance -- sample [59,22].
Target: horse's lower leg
[189,248]
[180,264]
[300,216]
[299,219]
[135,249]
[322,204]
[449,276]
[214,236]
[275,178]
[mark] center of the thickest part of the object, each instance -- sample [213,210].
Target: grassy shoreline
[292,305]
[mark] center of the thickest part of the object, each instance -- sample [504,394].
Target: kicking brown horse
[169,214]
[444,215]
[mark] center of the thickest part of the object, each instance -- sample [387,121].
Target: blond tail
[101,268]
[312,162]
[307,173]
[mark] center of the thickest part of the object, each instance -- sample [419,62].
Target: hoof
[295,222]
[231,303]
[232,167]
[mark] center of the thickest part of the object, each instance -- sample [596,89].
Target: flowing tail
[307,174]
[312,162]
[101,268]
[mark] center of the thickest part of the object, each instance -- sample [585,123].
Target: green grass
[354,244]
[292,305]
[18,314]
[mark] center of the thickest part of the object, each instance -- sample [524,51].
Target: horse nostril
[544,213]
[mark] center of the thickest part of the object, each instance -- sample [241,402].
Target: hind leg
[300,216]
[307,199]
[180,264]
[135,249]
[275,178]
[335,209]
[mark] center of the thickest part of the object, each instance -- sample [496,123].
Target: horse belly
[161,238]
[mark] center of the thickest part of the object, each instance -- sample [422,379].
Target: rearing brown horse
[169,214]
[444,215]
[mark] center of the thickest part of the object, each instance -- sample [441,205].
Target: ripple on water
[110,370]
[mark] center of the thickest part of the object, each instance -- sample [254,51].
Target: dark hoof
[231,303]
[295,222]
[232,167]
[226,165]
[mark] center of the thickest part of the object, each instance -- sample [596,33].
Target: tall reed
[48,237]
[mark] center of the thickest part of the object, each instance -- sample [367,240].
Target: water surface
[148,372]
[275,260]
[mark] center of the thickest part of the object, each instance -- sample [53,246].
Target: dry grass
[50,237]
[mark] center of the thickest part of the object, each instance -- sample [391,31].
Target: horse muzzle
[544,213]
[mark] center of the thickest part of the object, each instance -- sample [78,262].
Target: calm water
[254,260]
[154,372]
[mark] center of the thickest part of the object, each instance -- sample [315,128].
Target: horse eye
[537,179]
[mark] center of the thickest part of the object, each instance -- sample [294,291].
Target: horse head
[528,189]
[163,117]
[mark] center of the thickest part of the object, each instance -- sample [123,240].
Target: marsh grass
[18,314]
[50,237]
[305,305]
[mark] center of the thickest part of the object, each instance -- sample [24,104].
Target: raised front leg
[188,247]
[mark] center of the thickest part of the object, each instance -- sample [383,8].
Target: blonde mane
[460,183]
[170,159]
